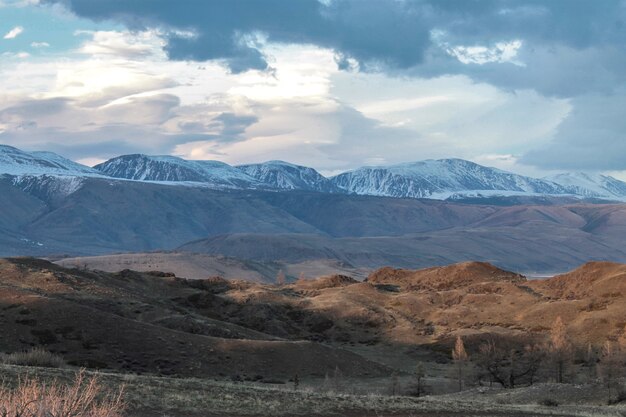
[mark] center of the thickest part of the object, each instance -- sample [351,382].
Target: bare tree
[506,364]
[530,361]
[460,357]
[419,387]
[337,382]
[591,359]
[610,365]
[621,341]
[560,349]
[394,387]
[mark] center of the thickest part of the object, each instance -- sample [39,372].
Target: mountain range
[277,215]
[436,179]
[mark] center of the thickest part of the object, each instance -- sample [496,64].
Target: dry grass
[34,357]
[85,397]
[158,396]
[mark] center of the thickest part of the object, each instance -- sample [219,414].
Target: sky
[530,86]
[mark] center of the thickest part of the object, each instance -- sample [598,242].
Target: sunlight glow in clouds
[333,85]
[305,110]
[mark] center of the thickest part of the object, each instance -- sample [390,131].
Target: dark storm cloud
[573,49]
[394,33]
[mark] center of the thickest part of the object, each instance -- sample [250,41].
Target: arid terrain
[337,336]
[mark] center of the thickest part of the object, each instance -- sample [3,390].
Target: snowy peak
[439,179]
[173,169]
[285,176]
[16,162]
[46,173]
[590,185]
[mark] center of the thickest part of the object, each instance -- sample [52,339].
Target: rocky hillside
[154,322]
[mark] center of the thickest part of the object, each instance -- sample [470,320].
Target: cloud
[420,37]
[40,45]
[14,33]
[223,29]
[136,45]
[590,138]
[18,3]
[344,93]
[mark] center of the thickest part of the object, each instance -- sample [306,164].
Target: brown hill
[591,279]
[149,323]
[158,323]
[330,281]
[444,277]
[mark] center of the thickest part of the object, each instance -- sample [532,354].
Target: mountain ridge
[283,175]
[442,179]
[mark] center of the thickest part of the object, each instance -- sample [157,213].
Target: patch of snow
[171,169]
[439,178]
[16,162]
[591,185]
[282,175]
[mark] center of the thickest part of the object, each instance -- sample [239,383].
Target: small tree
[337,382]
[621,342]
[560,349]
[395,385]
[530,362]
[591,359]
[505,363]
[280,277]
[418,376]
[609,366]
[459,355]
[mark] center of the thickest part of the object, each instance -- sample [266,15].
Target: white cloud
[18,3]
[40,45]
[135,45]
[14,33]
[498,52]
[501,52]
[118,93]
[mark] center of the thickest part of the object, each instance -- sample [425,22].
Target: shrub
[34,357]
[549,402]
[84,398]
[621,397]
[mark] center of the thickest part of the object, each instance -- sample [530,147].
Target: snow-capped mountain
[440,179]
[590,185]
[285,176]
[46,173]
[16,162]
[173,169]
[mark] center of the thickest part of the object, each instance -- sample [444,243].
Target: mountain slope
[16,162]
[439,179]
[174,169]
[590,185]
[285,176]
[533,246]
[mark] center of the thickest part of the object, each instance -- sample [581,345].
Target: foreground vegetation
[112,395]
[84,397]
